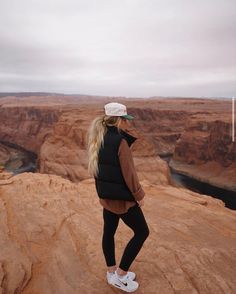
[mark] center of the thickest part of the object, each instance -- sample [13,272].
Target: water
[228,197]
[25,161]
[21,160]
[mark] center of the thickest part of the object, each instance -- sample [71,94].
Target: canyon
[205,151]
[196,132]
[51,224]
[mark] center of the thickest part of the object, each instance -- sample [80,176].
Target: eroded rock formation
[51,232]
[64,151]
[27,126]
[206,152]
[55,128]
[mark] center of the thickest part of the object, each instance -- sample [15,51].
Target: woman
[111,164]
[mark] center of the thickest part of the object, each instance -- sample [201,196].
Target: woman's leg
[111,221]
[135,219]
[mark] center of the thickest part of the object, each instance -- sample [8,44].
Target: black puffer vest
[110,183]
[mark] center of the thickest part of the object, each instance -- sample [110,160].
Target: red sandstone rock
[51,231]
[64,151]
[206,152]
[27,126]
[55,128]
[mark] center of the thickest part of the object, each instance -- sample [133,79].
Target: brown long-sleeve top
[131,179]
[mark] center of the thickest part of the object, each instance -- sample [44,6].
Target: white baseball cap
[117,109]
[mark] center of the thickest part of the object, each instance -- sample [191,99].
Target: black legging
[133,218]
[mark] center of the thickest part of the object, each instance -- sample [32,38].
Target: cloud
[129,48]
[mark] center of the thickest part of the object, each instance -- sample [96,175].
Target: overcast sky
[132,48]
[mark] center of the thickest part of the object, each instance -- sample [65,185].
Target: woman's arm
[129,172]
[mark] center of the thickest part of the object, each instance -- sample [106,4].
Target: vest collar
[129,138]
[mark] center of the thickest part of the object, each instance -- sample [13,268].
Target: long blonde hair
[95,139]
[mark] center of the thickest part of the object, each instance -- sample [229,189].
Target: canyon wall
[58,136]
[5,154]
[64,150]
[161,127]
[195,131]
[27,126]
[206,152]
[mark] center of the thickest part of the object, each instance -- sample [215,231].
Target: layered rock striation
[205,151]
[195,131]
[51,232]
[64,150]
[27,126]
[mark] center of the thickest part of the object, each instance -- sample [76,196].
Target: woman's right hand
[141,202]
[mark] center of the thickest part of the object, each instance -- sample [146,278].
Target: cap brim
[128,116]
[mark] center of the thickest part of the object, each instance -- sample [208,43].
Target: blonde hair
[95,139]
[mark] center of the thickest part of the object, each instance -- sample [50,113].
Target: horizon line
[109,96]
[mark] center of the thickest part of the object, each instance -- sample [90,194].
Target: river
[21,160]
[228,197]
[25,161]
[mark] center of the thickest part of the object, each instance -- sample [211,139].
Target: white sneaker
[124,283]
[132,276]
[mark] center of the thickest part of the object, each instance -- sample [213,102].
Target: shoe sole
[131,279]
[124,289]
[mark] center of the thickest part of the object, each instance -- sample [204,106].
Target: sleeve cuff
[139,195]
